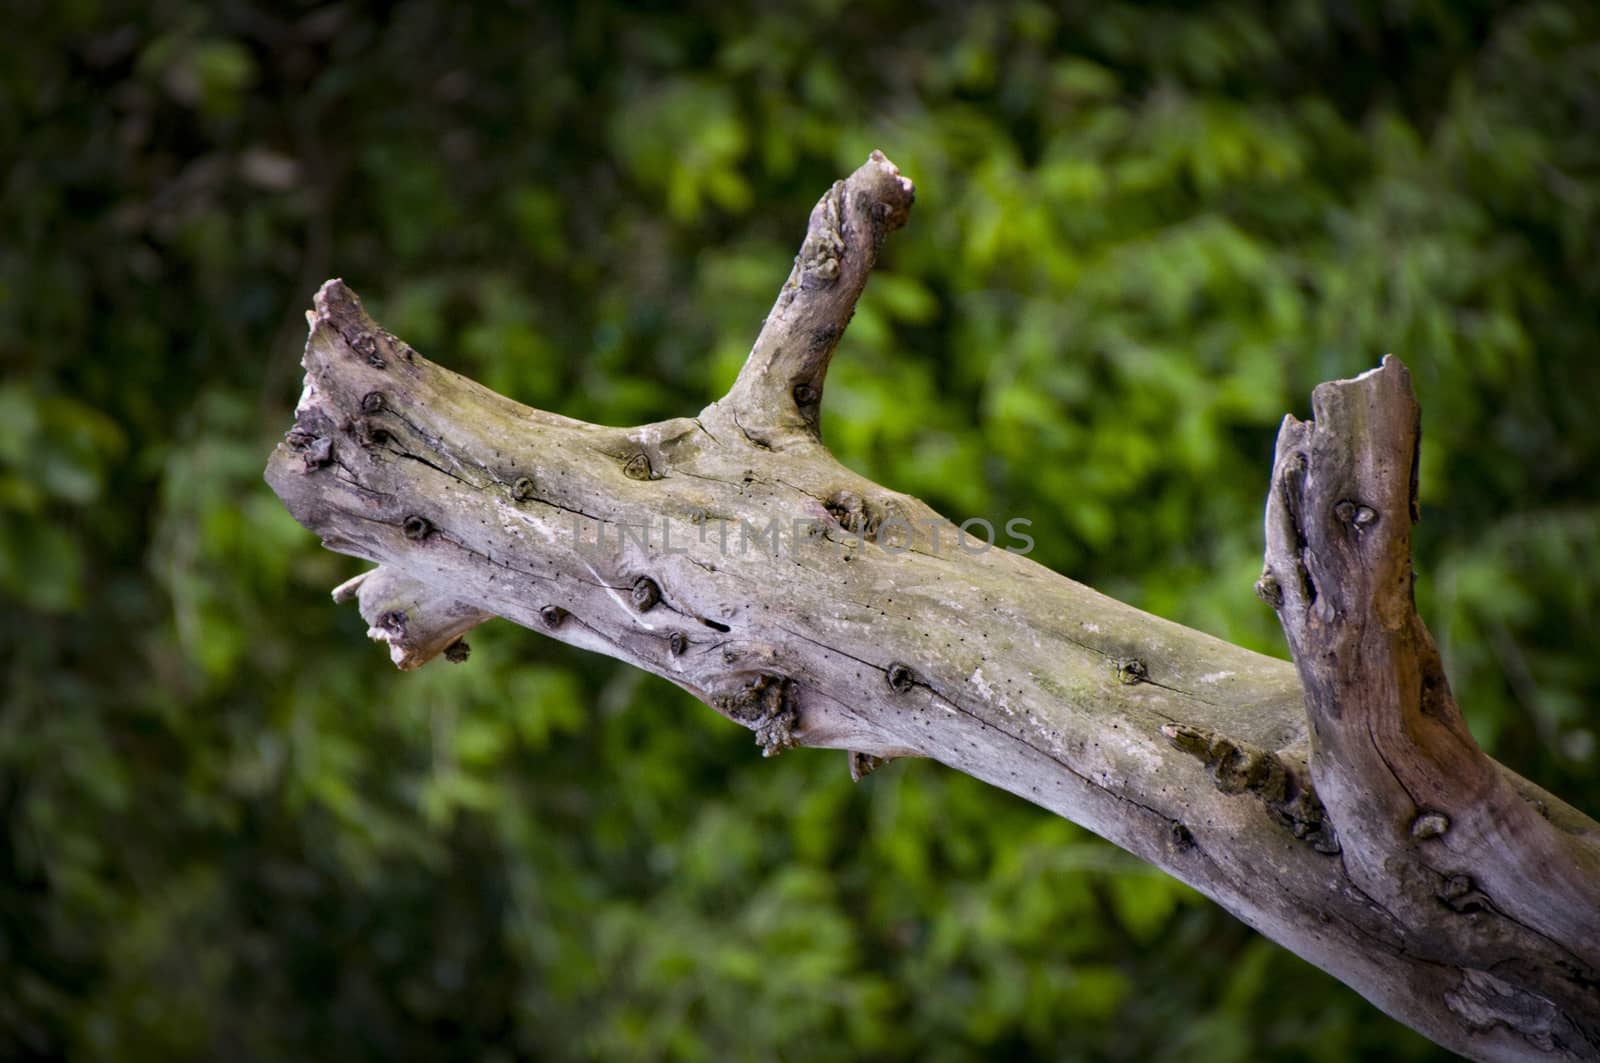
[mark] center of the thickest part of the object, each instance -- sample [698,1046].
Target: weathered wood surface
[1342,810]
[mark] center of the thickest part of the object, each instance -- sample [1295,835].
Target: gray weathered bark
[1337,805]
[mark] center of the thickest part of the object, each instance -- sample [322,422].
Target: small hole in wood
[901,677]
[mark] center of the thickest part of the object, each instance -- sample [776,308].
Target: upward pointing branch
[777,398]
[1483,872]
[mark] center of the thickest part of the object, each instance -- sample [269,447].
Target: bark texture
[1338,805]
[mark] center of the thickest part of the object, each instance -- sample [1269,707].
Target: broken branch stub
[413,619]
[731,554]
[1431,828]
[778,395]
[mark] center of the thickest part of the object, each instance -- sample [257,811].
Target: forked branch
[732,555]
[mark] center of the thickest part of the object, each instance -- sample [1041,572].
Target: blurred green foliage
[230,829]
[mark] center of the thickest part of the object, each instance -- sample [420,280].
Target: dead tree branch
[1338,805]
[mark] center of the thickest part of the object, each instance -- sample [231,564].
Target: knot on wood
[369,434]
[765,704]
[901,677]
[858,516]
[646,595]
[314,450]
[1181,837]
[638,467]
[1461,894]
[372,402]
[522,490]
[1131,670]
[864,764]
[1355,514]
[1429,825]
[417,527]
[366,345]
[553,616]
[1238,767]
[677,643]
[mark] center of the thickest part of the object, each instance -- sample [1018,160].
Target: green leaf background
[228,829]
